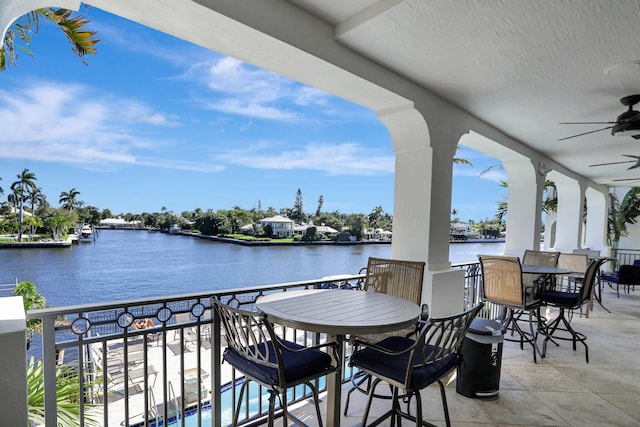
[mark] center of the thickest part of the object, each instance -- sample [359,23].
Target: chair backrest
[574,262]
[247,333]
[440,339]
[395,277]
[546,258]
[502,280]
[629,275]
[590,276]
[591,253]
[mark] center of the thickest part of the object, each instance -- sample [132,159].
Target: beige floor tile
[585,409]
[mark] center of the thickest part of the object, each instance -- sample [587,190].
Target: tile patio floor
[560,390]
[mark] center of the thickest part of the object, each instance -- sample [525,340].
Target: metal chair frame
[503,284]
[249,334]
[436,348]
[399,278]
[562,323]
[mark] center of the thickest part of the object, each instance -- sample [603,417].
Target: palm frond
[82,41]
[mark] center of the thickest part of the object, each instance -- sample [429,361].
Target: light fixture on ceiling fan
[636,162]
[626,124]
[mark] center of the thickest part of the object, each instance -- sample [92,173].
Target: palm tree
[21,189]
[622,213]
[68,199]
[36,198]
[82,42]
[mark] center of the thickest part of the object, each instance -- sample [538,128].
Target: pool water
[191,416]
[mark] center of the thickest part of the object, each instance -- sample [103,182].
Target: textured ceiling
[521,65]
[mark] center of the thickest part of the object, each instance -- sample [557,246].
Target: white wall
[13,360]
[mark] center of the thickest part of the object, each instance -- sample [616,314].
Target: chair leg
[365,415]
[575,336]
[389,413]
[444,403]
[364,377]
[285,412]
[236,413]
[316,400]
[511,323]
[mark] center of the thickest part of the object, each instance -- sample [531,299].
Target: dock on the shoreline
[41,244]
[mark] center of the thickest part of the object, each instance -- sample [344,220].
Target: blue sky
[155,121]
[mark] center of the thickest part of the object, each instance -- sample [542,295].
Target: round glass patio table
[338,313]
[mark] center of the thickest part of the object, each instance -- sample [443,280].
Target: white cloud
[494,175]
[251,109]
[179,164]
[245,90]
[333,159]
[72,124]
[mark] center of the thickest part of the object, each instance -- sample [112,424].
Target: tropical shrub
[67,396]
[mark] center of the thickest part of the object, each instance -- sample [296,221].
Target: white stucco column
[412,190]
[13,359]
[524,206]
[447,284]
[569,212]
[422,202]
[595,234]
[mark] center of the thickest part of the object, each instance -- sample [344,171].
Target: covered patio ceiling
[521,66]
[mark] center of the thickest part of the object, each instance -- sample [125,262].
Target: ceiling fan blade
[628,179]
[587,123]
[632,156]
[584,133]
[612,163]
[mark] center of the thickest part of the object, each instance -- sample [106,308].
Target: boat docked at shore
[86,233]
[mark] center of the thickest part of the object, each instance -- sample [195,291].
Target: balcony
[138,377]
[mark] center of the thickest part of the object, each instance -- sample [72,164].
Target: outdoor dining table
[338,313]
[544,272]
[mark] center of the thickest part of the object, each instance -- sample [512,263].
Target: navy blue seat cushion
[297,366]
[610,277]
[395,367]
[565,299]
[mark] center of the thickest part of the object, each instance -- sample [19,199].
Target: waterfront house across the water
[281,226]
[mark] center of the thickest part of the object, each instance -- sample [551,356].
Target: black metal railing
[165,371]
[625,257]
[169,369]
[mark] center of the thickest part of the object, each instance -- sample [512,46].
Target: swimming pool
[191,415]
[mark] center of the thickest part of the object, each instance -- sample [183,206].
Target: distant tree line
[27,209]
[25,196]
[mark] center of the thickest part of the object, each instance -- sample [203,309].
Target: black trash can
[479,373]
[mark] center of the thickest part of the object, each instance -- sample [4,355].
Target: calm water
[136,264]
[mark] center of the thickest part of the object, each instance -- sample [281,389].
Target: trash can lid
[486,327]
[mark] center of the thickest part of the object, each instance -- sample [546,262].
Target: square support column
[13,359]
[444,292]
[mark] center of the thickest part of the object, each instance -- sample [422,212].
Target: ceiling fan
[626,124]
[636,162]
[628,179]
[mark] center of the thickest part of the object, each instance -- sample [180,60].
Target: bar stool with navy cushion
[254,349]
[409,365]
[565,301]
[627,275]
